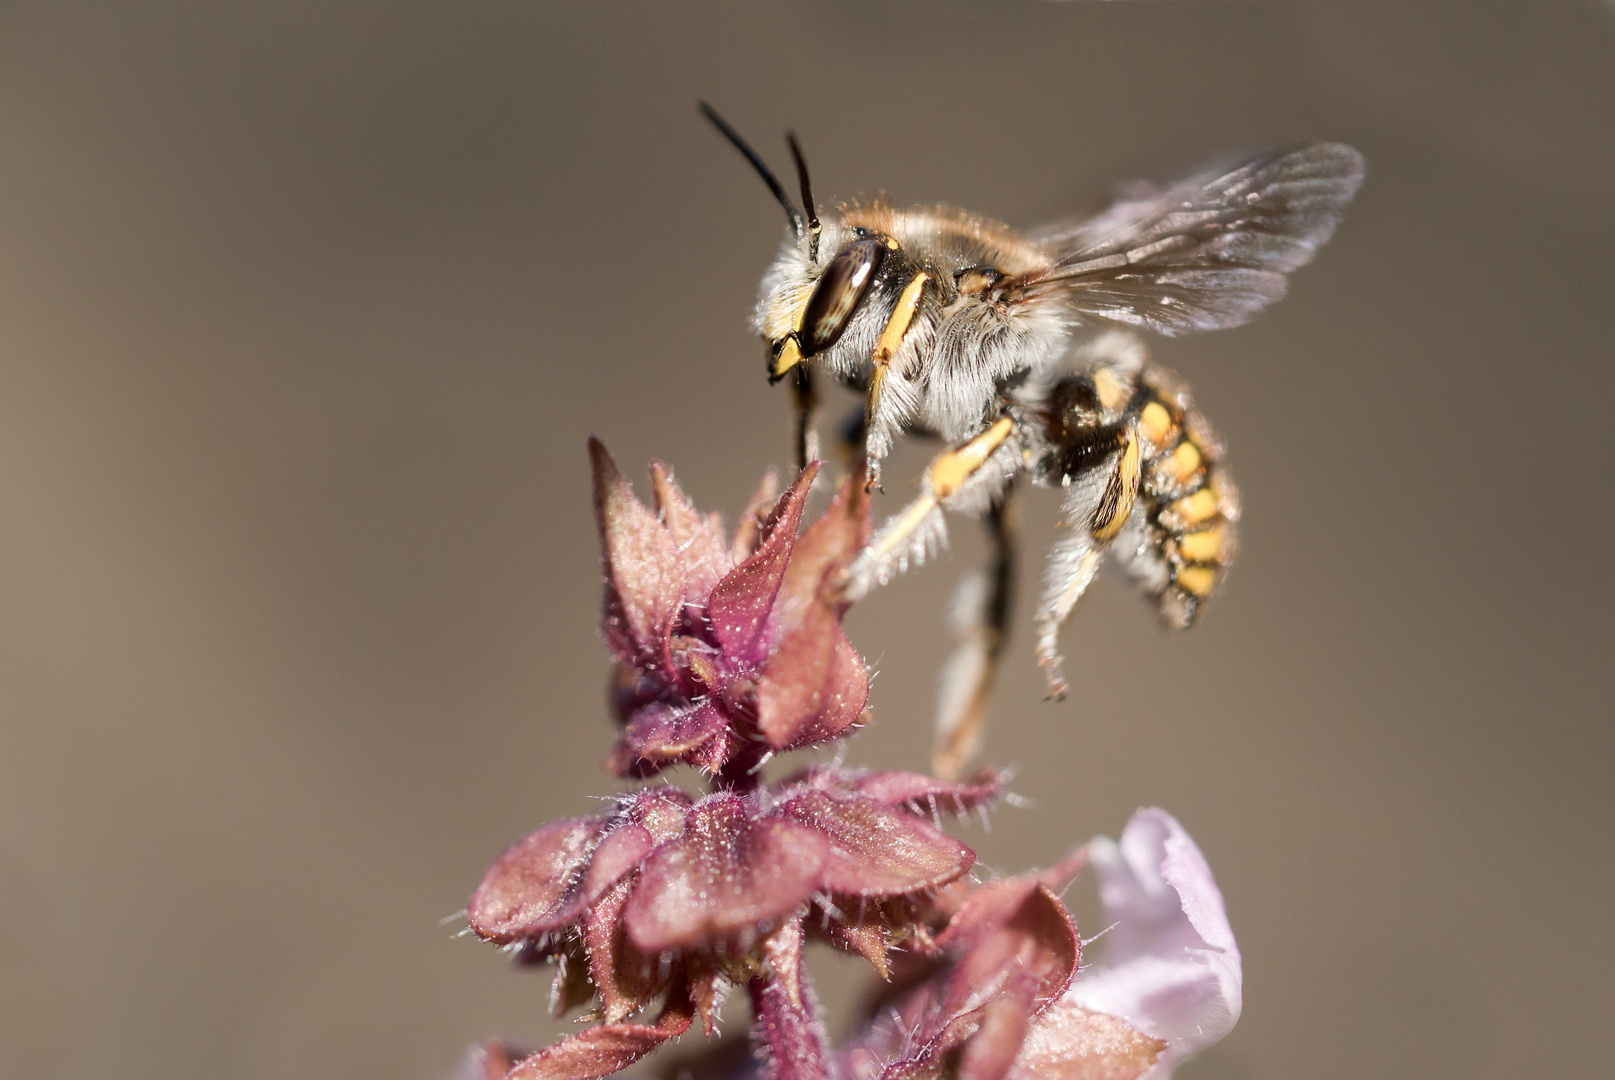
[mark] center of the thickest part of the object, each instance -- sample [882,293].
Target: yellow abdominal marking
[1197,580]
[1184,461]
[1155,423]
[1203,546]
[949,471]
[1112,394]
[1196,508]
[891,336]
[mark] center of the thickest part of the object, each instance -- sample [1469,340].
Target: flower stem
[787,1024]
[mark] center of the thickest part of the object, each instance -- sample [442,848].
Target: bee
[995,341]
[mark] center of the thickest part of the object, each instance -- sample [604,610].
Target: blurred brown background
[307,308]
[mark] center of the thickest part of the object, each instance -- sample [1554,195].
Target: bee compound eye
[840,289]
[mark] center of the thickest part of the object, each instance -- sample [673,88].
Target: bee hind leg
[1097,506]
[980,615]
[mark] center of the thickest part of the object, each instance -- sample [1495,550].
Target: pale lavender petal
[1171,967]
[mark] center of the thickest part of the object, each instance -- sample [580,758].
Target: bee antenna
[813,226]
[757,163]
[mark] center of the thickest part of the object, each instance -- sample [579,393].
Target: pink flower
[727,651]
[682,898]
[1171,967]
[1009,1002]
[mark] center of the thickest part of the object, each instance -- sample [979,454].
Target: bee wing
[1206,254]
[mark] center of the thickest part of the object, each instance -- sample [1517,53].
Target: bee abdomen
[1187,506]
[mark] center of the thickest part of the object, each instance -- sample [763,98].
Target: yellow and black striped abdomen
[1187,506]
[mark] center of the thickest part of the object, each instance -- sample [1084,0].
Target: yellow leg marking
[1112,391]
[790,354]
[1194,509]
[1197,580]
[1155,423]
[891,336]
[949,471]
[1120,491]
[1202,546]
[1184,461]
[896,534]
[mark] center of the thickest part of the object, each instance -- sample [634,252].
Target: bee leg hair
[1098,503]
[915,532]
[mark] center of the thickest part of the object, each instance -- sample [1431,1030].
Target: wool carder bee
[964,329]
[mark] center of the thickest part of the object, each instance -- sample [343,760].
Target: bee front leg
[1098,504]
[910,536]
[806,400]
[981,619]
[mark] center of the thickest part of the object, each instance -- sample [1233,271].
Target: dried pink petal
[815,685]
[531,889]
[601,1051]
[660,735]
[1071,1043]
[875,851]
[742,601]
[748,530]
[926,794]
[699,539]
[825,547]
[723,877]
[1017,928]
[625,977]
[660,809]
[617,853]
[644,577]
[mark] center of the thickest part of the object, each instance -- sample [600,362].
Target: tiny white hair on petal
[1171,967]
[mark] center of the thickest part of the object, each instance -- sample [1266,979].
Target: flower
[1011,1003]
[725,654]
[665,883]
[727,651]
[1172,968]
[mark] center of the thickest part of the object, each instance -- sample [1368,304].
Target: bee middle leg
[981,618]
[913,533]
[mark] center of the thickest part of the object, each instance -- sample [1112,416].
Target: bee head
[807,308]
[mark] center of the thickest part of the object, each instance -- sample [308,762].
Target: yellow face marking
[1197,580]
[891,336]
[1117,502]
[949,471]
[1205,546]
[790,354]
[1112,392]
[1194,509]
[1184,461]
[1155,423]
